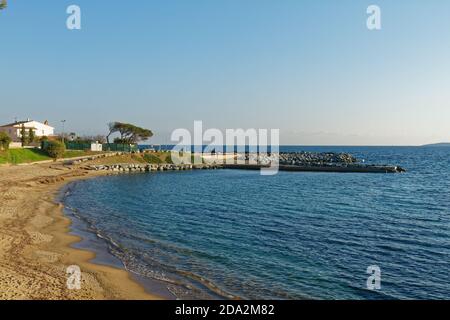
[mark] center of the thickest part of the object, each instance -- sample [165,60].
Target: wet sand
[35,244]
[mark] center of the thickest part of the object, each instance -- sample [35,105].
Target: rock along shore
[130,167]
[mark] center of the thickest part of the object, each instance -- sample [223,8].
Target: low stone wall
[79,160]
[147,167]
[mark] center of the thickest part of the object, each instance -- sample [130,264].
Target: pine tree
[23,136]
[31,136]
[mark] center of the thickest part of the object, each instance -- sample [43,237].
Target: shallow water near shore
[93,241]
[295,235]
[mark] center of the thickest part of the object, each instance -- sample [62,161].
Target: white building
[40,129]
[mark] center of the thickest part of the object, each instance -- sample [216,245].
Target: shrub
[55,149]
[151,158]
[137,158]
[169,159]
[5,140]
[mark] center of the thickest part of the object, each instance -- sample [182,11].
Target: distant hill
[442,144]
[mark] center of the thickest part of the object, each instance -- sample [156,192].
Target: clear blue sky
[310,68]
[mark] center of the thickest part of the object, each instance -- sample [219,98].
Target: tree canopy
[129,133]
[31,135]
[5,140]
[23,135]
[3,4]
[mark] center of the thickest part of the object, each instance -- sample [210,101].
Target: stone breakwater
[128,167]
[312,162]
[301,158]
[298,161]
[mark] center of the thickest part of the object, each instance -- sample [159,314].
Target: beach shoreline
[94,241]
[168,286]
[36,246]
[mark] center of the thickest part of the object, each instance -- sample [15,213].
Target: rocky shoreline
[131,167]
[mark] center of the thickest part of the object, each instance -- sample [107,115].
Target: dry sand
[35,245]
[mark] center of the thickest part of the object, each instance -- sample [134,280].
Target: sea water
[295,235]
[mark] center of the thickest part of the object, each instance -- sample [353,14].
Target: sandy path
[35,246]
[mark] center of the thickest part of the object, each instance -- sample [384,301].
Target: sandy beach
[35,246]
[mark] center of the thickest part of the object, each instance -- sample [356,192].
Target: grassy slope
[78,153]
[153,158]
[16,156]
[157,157]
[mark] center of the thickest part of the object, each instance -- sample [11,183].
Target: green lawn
[17,156]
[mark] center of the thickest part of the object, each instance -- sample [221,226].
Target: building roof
[23,122]
[14,123]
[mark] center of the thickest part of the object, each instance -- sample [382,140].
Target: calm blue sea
[290,236]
